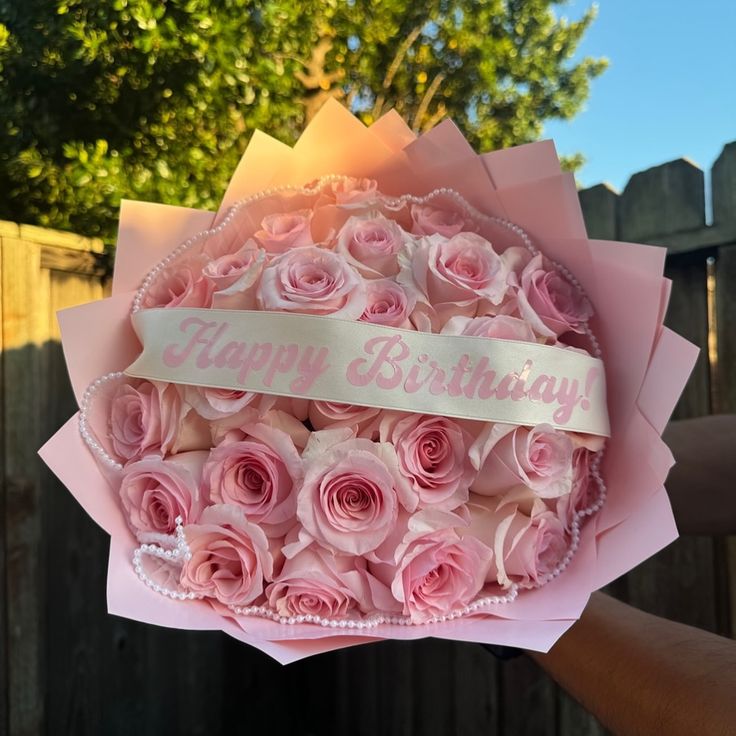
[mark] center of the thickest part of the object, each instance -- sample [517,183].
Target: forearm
[639,674]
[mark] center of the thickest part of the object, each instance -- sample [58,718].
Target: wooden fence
[66,667]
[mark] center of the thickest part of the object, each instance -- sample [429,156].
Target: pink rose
[388,304]
[438,571]
[433,456]
[312,281]
[276,549]
[428,220]
[136,420]
[282,231]
[155,491]
[229,557]
[501,327]
[528,543]
[371,244]
[331,415]
[348,192]
[217,403]
[550,303]
[234,277]
[456,276]
[583,493]
[294,406]
[180,285]
[352,490]
[290,423]
[353,191]
[383,559]
[149,417]
[259,470]
[317,583]
[506,456]
[230,267]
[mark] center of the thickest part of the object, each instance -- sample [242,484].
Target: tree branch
[439,113]
[426,100]
[393,68]
[315,76]
[319,84]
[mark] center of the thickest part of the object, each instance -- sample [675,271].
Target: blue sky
[669,90]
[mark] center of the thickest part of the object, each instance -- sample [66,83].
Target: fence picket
[661,200]
[723,178]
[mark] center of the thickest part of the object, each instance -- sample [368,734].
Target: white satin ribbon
[322,358]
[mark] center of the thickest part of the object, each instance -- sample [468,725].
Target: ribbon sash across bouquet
[389,390]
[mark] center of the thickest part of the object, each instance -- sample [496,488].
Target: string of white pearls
[371,622]
[176,554]
[84,429]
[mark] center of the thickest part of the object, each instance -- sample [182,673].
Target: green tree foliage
[155,99]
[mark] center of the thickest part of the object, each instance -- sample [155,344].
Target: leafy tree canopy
[155,99]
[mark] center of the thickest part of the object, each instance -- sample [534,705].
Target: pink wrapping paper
[647,366]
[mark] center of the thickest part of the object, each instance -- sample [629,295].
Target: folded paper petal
[147,233]
[256,171]
[510,167]
[647,530]
[97,339]
[72,463]
[671,364]
[392,131]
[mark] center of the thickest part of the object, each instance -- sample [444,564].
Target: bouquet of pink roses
[391,389]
